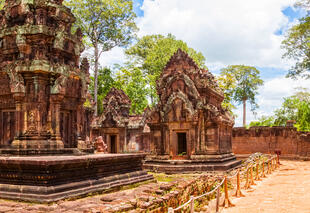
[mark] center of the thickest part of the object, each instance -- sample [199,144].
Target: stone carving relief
[17,83]
[59,85]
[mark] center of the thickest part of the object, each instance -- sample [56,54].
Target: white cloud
[225,31]
[114,56]
[271,96]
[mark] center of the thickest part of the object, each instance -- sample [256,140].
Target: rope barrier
[247,183]
[238,190]
[226,203]
[271,165]
[257,177]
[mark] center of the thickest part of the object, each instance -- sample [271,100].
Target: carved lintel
[59,85]
[17,83]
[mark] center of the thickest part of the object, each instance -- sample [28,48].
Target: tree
[131,80]
[228,84]
[297,44]
[105,83]
[263,121]
[247,82]
[152,52]
[295,107]
[107,24]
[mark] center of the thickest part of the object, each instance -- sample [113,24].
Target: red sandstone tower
[189,123]
[42,84]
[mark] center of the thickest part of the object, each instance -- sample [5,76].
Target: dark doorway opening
[182,144]
[113,143]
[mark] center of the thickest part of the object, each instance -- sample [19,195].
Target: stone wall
[292,143]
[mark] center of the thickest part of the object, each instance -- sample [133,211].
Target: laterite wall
[293,144]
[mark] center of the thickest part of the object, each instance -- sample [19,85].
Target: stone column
[18,113]
[79,122]
[18,97]
[56,140]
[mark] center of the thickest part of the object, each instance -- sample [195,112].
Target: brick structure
[292,143]
[189,123]
[121,131]
[43,85]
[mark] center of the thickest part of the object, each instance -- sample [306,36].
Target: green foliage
[303,116]
[109,23]
[263,121]
[152,52]
[132,81]
[105,83]
[1,4]
[297,44]
[129,79]
[228,83]
[242,83]
[106,24]
[295,107]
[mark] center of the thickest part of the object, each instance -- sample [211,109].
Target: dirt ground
[286,190]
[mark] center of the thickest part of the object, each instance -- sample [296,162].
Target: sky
[228,32]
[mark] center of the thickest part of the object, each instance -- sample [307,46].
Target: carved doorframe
[5,129]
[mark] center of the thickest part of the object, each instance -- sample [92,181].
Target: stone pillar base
[37,144]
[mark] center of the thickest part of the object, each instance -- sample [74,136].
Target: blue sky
[228,32]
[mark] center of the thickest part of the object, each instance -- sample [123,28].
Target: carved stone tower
[189,123]
[42,84]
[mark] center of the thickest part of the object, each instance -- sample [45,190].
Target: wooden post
[238,190]
[263,169]
[247,183]
[227,203]
[217,200]
[268,167]
[257,171]
[192,205]
[251,175]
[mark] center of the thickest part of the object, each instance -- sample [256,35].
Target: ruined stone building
[44,126]
[42,84]
[189,122]
[121,131]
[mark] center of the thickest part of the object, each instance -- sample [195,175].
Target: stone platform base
[46,179]
[199,164]
[45,152]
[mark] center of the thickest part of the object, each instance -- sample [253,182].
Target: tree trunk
[244,112]
[96,77]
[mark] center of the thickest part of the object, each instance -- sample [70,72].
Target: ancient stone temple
[190,131]
[121,131]
[43,86]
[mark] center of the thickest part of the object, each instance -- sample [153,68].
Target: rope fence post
[227,203]
[238,190]
[251,176]
[269,169]
[170,210]
[192,205]
[263,169]
[257,171]
[247,182]
[217,207]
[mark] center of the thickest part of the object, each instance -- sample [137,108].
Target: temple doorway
[113,143]
[182,143]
